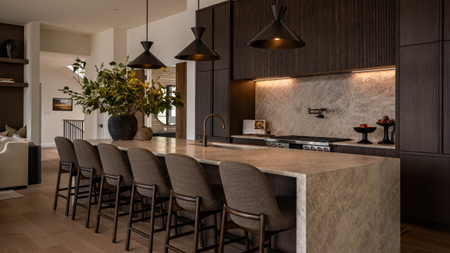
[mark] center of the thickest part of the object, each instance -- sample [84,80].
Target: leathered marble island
[345,203]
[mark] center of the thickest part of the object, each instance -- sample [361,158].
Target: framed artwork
[62,104]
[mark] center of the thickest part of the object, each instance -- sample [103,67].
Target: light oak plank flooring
[30,225]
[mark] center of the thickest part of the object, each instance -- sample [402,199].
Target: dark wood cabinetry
[419,88]
[222,36]
[205,19]
[446,19]
[364,151]
[221,102]
[446,99]
[340,36]
[419,21]
[203,101]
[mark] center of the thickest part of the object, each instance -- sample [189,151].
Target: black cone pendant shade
[277,35]
[146,60]
[198,50]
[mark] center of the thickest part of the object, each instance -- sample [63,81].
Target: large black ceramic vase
[11,48]
[123,127]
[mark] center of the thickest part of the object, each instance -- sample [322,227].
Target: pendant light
[146,60]
[277,35]
[198,50]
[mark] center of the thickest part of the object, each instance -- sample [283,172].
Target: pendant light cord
[146,23]
[198,14]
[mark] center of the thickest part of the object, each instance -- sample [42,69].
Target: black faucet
[319,112]
[205,144]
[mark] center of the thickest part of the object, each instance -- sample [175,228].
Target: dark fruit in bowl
[364,126]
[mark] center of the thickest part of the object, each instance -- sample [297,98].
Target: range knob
[319,149]
[269,145]
[280,146]
[306,148]
[312,149]
[326,149]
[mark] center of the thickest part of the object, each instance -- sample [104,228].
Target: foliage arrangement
[117,92]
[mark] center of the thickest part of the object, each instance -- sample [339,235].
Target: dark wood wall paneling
[222,36]
[446,19]
[181,116]
[11,99]
[340,35]
[221,102]
[446,99]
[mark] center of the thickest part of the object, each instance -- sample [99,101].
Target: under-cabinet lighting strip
[372,70]
[270,79]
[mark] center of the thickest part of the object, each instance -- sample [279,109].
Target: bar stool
[117,173]
[90,167]
[149,181]
[193,193]
[252,204]
[68,163]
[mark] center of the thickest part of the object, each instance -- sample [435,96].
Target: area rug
[10,194]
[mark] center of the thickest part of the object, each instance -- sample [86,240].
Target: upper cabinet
[206,20]
[446,19]
[446,99]
[340,36]
[420,21]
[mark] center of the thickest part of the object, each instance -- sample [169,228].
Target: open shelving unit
[13,61]
[14,85]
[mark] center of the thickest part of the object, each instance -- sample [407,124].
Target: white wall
[66,43]
[52,121]
[171,35]
[31,111]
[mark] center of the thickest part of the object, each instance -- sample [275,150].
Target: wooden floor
[30,225]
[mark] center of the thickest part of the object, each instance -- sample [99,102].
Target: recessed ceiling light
[115,9]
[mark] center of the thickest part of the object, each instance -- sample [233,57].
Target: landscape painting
[62,104]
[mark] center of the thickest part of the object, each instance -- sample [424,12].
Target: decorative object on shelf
[117,92]
[386,123]
[22,132]
[277,35]
[11,48]
[254,126]
[6,80]
[62,104]
[144,134]
[319,112]
[198,50]
[146,60]
[364,129]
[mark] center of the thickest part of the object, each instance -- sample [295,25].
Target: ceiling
[87,16]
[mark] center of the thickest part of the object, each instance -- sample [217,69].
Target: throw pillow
[4,133]
[22,132]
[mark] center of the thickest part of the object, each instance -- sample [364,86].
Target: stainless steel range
[302,142]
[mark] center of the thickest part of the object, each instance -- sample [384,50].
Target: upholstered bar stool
[68,163]
[90,167]
[252,204]
[193,193]
[116,173]
[149,181]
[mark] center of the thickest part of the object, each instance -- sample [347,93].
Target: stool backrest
[189,178]
[147,170]
[115,163]
[248,190]
[88,158]
[66,152]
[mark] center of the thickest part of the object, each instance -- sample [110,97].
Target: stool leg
[152,221]
[77,185]
[197,224]
[215,232]
[116,209]
[202,239]
[262,231]
[161,211]
[99,204]
[222,230]
[69,189]
[88,211]
[58,180]
[130,218]
[176,223]
[169,216]
[246,240]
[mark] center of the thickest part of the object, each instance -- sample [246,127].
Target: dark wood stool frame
[91,193]
[262,233]
[199,215]
[162,214]
[119,190]
[69,187]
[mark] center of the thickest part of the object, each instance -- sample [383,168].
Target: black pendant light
[198,50]
[277,35]
[146,60]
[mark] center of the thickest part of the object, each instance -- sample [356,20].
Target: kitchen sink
[231,146]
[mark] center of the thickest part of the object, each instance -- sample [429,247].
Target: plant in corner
[117,92]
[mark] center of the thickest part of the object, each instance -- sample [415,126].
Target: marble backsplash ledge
[351,100]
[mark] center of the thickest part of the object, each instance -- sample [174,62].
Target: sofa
[13,162]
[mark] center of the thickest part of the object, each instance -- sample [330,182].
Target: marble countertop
[288,162]
[356,144]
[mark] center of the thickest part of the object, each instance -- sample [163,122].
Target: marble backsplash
[351,100]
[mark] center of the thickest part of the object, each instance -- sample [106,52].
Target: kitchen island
[345,203]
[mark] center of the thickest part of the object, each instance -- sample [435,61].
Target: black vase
[123,127]
[11,48]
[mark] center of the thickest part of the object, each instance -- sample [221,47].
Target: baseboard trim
[48,145]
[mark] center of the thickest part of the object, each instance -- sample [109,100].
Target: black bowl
[388,124]
[365,130]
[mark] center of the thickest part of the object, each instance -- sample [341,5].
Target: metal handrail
[73,129]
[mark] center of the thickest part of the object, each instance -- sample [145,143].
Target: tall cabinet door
[419,21]
[203,102]
[446,19]
[221,99]
[446,99]
[419,88]
[222,35]
[206,21]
